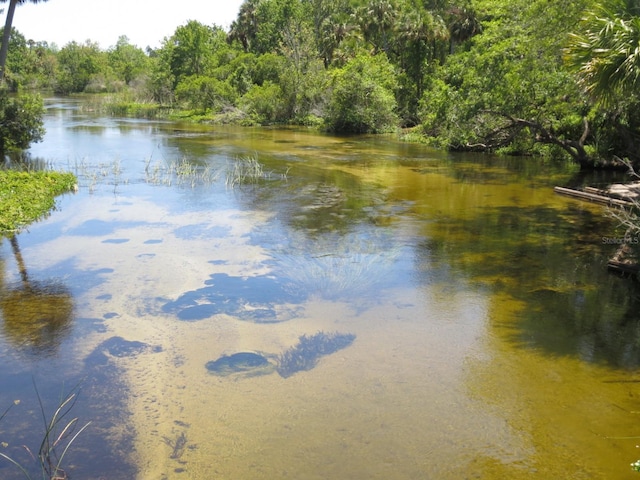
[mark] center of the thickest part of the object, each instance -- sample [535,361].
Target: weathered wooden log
[592,197]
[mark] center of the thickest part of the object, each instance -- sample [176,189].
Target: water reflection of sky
[447,291]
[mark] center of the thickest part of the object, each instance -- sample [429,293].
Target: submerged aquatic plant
[59,435]
[306,353]
[340,266]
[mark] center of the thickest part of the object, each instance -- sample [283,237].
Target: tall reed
[59,435]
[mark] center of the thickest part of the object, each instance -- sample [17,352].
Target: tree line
[513,76]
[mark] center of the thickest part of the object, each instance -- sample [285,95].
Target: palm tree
[377,19]
[463,25]
[418,35]
[7,32]
[606,55]
[245,27]
[333,30]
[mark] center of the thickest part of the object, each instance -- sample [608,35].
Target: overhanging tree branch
[505,134]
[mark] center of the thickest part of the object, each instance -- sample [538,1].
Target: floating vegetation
[307,352]
[247,363]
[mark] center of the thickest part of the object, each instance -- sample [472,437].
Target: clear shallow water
[488,339]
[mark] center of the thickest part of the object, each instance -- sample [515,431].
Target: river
[254,303]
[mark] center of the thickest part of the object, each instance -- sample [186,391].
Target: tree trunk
[4,49]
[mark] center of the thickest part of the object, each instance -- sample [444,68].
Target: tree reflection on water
[36,315]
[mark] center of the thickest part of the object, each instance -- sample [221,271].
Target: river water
[246,303]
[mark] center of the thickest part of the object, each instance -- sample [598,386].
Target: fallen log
[591,197]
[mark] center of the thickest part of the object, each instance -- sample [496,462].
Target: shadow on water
[554,262]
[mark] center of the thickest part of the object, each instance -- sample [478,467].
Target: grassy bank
[28,196]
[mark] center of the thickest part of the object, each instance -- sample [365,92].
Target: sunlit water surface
[482,336]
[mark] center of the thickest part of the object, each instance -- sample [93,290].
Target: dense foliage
[20,121]
[516,76]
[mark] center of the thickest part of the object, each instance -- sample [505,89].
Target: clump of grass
[248,170]
[59,435]
[135,109]
[182,172]
[306,353]
[245,170]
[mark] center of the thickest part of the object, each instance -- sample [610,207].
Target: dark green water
[486,337]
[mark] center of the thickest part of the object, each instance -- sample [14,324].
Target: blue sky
[145,22]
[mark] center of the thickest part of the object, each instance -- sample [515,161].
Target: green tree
[263,103]
[463,24]
[17,61]
[509,90]
[127,61]
[7,31]
[20,116]
[20,121]
[275,19]
[333,22]
[205,94]
[191,50]
[78,64]
[29,64]
[362,99]
[304,76]
[39,66]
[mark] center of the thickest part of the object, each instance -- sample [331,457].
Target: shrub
[363,98]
